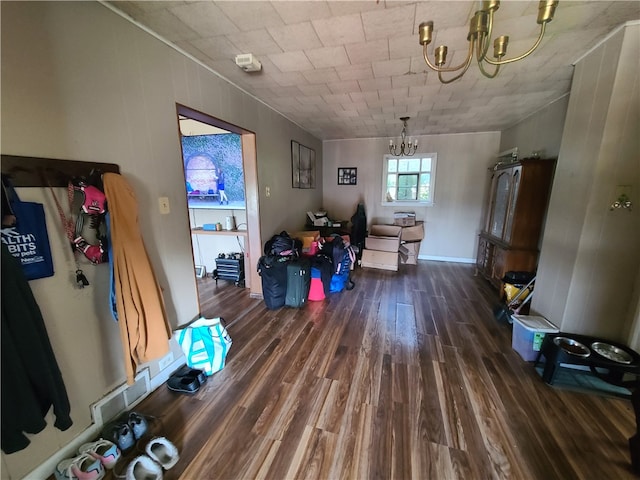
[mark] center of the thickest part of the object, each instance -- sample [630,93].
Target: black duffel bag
[283,245]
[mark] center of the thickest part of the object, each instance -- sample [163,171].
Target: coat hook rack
[42,172]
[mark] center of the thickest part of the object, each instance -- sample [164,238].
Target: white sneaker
[143,468]
[82,467]
[107,452]
[163,451]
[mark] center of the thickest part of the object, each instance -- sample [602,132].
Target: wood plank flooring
[407,376]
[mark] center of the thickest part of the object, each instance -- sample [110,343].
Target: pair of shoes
[126,430]
[160,454]
[105,451]
[186,380]
[187,371]
[82,467]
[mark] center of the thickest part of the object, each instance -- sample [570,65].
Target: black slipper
[183,384]
[187,371]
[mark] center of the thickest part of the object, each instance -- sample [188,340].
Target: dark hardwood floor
[408,376]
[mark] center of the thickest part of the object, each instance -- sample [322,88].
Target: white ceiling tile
[327,57]
[408,79]
[375,84]
[393,93]
[300,36]
[301,11]
[323,75]
[258,42]
[289,79]
[390,68]
[205,17]
[368,51]
[251,15]
[348,86]
[297,69]
[364,96]
[405,46]
[444,14]
[339,30]
[337,98]
[291,61]
[356,72]
[339,8]
[310,99]
[216,48]
[313,90]
[390,22]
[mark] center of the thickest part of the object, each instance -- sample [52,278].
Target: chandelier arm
[510,60]
[466,67]
[449,69]
[488,75]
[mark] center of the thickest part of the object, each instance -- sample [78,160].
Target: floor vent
[122,398]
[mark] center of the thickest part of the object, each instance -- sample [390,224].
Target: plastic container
[528,333]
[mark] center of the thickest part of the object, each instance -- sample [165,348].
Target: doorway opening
[220,178]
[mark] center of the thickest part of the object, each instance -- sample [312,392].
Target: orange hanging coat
[144,329]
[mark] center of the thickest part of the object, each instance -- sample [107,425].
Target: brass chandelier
[406,148]
[480,30]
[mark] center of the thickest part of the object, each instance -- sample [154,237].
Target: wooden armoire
[514,218]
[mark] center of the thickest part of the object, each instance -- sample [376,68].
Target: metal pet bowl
[611,352]
[572,346]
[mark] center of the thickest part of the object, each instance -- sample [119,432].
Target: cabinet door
[501,203]
[516,174]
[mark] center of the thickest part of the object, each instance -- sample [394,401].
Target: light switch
[164,205]
[267,191]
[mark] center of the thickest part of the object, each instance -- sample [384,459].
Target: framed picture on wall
[303,166]
[347,176]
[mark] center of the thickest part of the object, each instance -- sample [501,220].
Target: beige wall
[539,133]
[590,258]
[453,222]
[81,83]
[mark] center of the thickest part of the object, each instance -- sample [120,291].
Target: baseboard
[47,468]
[447,259]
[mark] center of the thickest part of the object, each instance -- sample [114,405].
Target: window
[408,181]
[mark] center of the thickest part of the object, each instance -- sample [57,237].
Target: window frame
[432,183]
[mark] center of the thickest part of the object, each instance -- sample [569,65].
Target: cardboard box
[406,259]
[306,237]
[404,219]
[385,238]
[381,260]
[410,248]
[412,234]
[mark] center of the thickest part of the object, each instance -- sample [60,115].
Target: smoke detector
[248,63]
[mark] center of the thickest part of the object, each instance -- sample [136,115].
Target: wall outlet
[267,191]
[165,361]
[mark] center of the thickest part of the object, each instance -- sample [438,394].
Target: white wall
[453,222]
[590,258]
[81,83]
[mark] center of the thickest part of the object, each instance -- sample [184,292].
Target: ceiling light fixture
[480,30]
[406,148]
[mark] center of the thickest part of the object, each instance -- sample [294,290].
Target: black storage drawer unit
[230,269]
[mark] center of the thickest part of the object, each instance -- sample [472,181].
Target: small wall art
[347,176]
[303,166]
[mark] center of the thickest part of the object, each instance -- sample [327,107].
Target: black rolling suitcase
[298,283]
[273,271]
